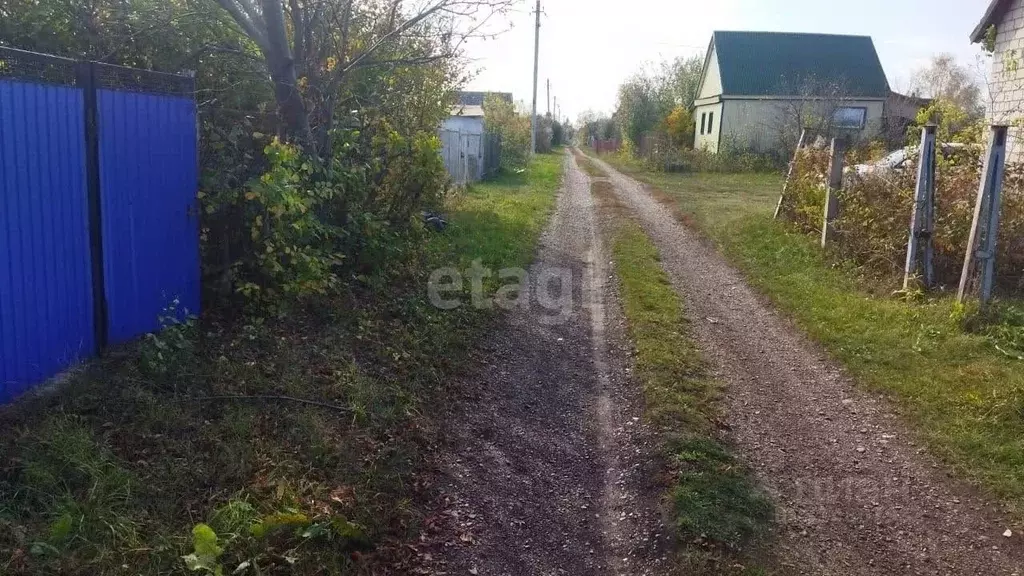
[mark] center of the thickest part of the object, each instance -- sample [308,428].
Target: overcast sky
[587,47]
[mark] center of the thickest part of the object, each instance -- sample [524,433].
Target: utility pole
[549,97]
[536,63]
[556,108]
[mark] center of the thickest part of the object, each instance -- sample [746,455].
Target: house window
[850,118]
[711,122]
[703,121]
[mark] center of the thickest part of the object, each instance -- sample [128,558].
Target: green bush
[661,154]
[309,223]
[514,129]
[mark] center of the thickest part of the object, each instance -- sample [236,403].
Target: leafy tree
[683,76]
[312,47]
[373,79]
[641,107]
[503,119]
[679,127]
[954,123]
[946,79]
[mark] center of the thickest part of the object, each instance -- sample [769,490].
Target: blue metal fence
[98,218]
[46,300]
[148,175]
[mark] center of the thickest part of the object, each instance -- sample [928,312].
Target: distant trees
[595,125]
[946,79]
[683,76]
[642,105]
[679,127]
[647,101]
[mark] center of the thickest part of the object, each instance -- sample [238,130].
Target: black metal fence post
[85,78]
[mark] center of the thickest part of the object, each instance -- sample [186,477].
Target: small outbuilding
[464,141]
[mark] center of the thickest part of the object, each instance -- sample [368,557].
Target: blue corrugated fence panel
[148,178]
[46,305]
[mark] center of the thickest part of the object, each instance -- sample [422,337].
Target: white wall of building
[703,115]
[1007,81]
[759,124]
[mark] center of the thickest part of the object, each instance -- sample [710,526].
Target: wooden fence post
[981,244]
[789,173]
[922,219]
[835,183]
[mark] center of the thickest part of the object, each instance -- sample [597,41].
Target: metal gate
[98,220]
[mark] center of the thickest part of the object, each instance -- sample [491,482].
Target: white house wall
[1007,82]
[759,124]
[710,140]
[712,84]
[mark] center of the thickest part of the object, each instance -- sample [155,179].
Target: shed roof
[468,111]
[469,98]
[778,63]
[995,12]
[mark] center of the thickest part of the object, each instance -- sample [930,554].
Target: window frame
[703,122]
[863,121]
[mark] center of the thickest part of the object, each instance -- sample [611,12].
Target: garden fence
[98,215]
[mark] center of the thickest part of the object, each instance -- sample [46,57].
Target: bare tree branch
[250,25]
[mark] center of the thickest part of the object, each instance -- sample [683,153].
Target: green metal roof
[784,64]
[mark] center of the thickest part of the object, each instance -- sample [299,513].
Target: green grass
[119,467]
[964,397]
[717,510]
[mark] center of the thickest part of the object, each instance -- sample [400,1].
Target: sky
[588,47]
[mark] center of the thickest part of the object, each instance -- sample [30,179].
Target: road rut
[546,468]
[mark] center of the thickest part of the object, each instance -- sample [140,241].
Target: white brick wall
[1007,82]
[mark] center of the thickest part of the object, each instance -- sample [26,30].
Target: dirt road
[855,493]
[547,468]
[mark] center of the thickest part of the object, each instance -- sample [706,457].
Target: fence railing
[98,178]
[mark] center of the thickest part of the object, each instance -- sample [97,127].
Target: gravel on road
[856,493]
[545,468]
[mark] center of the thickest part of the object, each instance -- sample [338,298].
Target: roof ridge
[792,33]
[774,63]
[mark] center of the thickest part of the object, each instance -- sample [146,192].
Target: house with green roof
[760,89]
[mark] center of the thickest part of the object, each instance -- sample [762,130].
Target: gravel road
[856,493]
[546,467]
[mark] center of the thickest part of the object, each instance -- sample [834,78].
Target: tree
[513,127]
[945,78]
[683,76]
[312,46]
[679,127]
[641,106]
